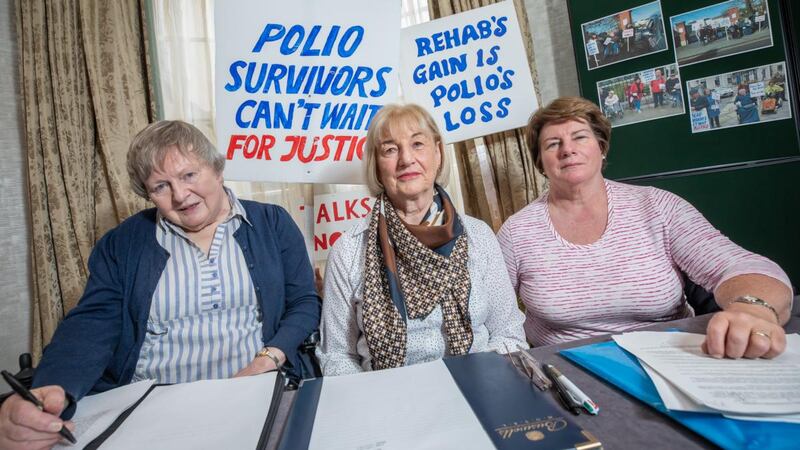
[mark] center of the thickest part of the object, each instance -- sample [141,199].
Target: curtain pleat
[85,94]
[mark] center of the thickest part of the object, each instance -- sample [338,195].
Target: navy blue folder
[513,413]
[618,367]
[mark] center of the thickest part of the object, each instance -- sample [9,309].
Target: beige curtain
[497,173]
[85,94]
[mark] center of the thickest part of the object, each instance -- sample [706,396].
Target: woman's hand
[23,425]
[738,332]
[745,329]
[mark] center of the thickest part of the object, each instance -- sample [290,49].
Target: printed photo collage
[716,101]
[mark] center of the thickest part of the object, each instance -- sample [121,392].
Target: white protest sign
[470,71]
[648,75]
[700,120]
[760,18]
[756,89]
[696,26]
[627,33]
[334,214]
[725,22]
[592,48]
[297,84]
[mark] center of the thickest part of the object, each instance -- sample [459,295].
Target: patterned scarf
[409,270]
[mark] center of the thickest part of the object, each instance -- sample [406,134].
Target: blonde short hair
[150,146]
[561,110]
[380,127]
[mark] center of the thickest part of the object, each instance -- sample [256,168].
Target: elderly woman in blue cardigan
[202,286]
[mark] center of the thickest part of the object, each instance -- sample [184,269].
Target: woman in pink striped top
[592,256]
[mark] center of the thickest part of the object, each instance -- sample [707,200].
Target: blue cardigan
[96,346]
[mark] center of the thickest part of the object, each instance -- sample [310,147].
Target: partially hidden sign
[297,84]
[334,214]
[470,70]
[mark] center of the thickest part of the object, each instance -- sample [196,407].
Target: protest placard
[700,121]
[297,84]
[591,48]
[756,89]
[470,70]
[334,214]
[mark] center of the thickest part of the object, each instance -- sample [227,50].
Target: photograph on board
[744,97]
[627,34]
[721,30]
[641,96]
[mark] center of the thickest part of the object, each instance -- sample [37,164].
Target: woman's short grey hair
[380,128]
[151,145]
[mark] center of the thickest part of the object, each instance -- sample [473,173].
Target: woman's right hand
[24,426]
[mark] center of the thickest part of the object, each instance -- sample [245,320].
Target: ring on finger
[760,333]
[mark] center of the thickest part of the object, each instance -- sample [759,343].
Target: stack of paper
[206,414]
[687,379]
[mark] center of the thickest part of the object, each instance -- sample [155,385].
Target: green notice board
[668,144]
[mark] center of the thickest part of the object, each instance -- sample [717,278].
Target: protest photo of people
[719,30]
[640,96]
[624,35]
[739,98]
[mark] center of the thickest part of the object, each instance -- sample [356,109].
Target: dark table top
[623,422]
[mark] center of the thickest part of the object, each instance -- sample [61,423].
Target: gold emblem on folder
[534,435]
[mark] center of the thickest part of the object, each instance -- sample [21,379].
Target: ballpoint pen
[573,390]
[570,403]
[27,395]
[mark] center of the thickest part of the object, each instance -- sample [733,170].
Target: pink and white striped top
[628,278]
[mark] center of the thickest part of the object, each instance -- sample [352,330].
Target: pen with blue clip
[27,395]
[576,397]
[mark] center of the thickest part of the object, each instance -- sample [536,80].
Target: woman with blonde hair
[415,280]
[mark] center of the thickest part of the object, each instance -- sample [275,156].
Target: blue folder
[618,367]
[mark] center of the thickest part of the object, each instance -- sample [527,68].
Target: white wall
[552,46]
[15,281]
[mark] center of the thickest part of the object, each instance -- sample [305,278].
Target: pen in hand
[27,395]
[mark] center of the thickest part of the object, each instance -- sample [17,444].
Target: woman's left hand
[736,333]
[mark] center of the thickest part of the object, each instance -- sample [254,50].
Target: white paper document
[417,407]
[208,414]
[674,399]
[735,387]
[95,413]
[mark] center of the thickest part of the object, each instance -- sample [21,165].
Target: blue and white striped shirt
[204,320]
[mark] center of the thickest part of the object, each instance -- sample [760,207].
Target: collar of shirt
[237,210]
